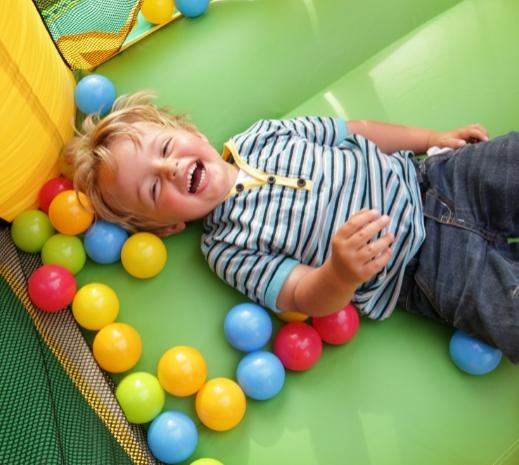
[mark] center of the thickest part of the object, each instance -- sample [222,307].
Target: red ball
[298,346]
[338,328]
[52,288]
[50,189]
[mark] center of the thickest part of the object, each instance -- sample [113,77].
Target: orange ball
[117,347]
[182,371]
[220,404]
[71,213]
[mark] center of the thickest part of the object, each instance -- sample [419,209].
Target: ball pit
[378,348]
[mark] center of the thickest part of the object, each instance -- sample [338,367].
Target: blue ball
[172,437]
[261,375]
[192,8]
[473,356]
[104,241]
[247,327]
[95,93]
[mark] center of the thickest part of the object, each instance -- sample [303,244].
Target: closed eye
[154,190]
[166,147]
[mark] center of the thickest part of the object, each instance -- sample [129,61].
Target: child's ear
[169,230]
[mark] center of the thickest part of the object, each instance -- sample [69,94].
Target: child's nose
[169,168]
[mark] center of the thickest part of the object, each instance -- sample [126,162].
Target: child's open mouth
[195,176]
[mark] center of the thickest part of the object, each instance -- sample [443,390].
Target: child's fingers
[363,235]
[375,265]
[372,249]
[357,221]
[475,132]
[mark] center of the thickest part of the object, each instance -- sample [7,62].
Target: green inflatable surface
[391,396]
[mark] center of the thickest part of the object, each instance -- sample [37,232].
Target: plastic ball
[144,255]
[104,242]
[66,251]
[247,327]
[95,306]
[338,328]
[52,288]
[70,213]
[95,93]
[220,404]
[30,230]
[206,461]
[192,8]
[289,317]
[140,397]
[172,437]
[157,11]
[473,356]
[261,375]
[117,347]
[298,346]
[50,189]
[182,371]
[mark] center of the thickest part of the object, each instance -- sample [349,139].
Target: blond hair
[89,150]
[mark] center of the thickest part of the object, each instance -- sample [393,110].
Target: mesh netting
[88,32]
[56,405]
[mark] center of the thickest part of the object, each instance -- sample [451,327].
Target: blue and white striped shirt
[308,177]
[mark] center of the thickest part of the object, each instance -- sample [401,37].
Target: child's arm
[392,137]
[354,260]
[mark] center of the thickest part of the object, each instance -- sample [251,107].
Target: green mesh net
[56,405]
[88,32]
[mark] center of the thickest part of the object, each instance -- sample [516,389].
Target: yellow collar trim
[260,178]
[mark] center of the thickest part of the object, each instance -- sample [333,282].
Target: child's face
[168,175]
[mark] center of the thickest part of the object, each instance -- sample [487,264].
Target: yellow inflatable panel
[36,108]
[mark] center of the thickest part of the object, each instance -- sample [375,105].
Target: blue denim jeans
[466,274]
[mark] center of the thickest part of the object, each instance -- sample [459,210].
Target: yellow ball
[220,404]
[71,213]
[290,317]
[206,461]
[157,11]
[117,347]
[182,371]
[144,255]
[95,305]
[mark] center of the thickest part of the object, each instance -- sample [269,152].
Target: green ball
[141,397]
[30,230]
[67,251]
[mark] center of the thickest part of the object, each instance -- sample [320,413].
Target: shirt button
[301,182]
[239,187]
[271,179]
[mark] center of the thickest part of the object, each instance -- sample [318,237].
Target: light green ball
[206,462]
[67,251]
[141,397]
[30,230]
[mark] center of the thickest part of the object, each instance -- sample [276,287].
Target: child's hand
[457,138]
[354,259]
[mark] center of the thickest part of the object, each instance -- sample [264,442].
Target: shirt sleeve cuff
[277,281]
[342,127]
